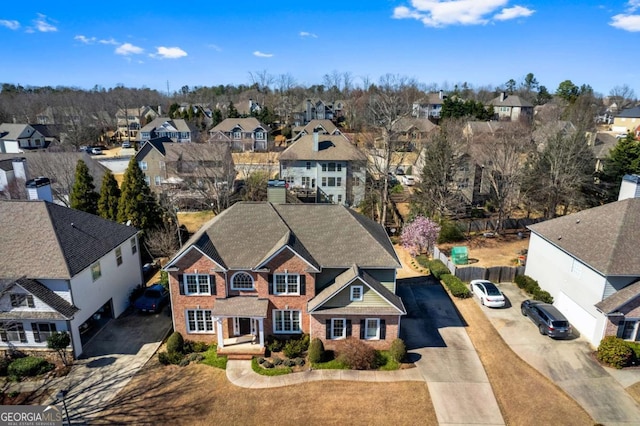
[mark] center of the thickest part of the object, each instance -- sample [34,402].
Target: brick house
[262,269]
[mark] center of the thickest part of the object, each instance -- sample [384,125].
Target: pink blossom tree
[419,235]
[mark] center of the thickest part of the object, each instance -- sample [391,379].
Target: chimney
[159,111]
[503,95]
[630,187]
[441,94]
[316,141]
[20,168]
[39,189]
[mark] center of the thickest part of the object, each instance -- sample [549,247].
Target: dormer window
[356,293]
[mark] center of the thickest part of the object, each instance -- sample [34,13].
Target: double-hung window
[372,328]
[134,246]
[356,293]
[119,256]
[42,331]
[12,332]
[197,284]
[143,165]
[199,321]
[96,272]
[21,299]
[286,322]
[629,330]
[338,328]
[286,284]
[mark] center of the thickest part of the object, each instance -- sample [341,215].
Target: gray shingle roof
[241,306]
[44,240]
[246,124]
[242,236]
[179,124]
[510,101]
[630,112]
[619,298]
[331,148]
[605,237]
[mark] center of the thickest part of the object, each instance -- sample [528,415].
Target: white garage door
[577,316]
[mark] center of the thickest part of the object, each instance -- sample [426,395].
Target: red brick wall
[319,329]
[631,310]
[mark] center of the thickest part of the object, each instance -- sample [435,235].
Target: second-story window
[197,284]
[331,167]
[237,135]
[242,281]
[286,283]
[308,165]
[260,135]
[143,165]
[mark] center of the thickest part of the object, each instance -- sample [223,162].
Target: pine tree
[83,193]
[109,197]
[137,203]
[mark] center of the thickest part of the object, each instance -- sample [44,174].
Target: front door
[241,326]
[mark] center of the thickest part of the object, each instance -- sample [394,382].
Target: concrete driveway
[110,359]
[568,363]
[443,353]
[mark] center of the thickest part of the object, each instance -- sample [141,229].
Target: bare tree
[165,240]
[390,100]
[623,96]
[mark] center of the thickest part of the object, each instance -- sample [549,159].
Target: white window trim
[286,277]
[636,329]
[196,293]
[119,259]
[233,278]
[366,324]
[134,246]
[98,269]
[334,336]
[351,296]
[205,331]
[290,312]
[143,165]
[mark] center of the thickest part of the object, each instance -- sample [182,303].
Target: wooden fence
[467,273]
[482,225]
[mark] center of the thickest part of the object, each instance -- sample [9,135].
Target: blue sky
[482,42]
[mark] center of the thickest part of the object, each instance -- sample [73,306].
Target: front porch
[239,325]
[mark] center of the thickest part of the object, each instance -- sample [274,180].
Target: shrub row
[438,269]
[532,287]
[181,352]
[456,286]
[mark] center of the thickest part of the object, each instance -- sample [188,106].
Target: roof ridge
[55,233]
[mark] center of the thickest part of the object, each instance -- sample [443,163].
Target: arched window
[242,281]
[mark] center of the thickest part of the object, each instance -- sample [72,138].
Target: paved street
[568,363]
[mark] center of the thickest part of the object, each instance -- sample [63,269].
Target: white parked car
[96,151]
[408,180]
[488,293]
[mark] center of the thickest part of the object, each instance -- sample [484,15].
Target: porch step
[241,356]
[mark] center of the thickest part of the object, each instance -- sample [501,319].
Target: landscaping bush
[635,347]
[29,366]
[167,358]
[191,346]
[261,360]
[398,350]
[195,357]
[456,287]
[175,343]
[276,360]
[450,232]
[184,362]
[299,362]
[438,269]
[274,345]
[296,347]
[267,364]
[316,351]
[521,281]
[532,287]
[289,363]
[542,295]
[4,364]
[357,354]
[614,352]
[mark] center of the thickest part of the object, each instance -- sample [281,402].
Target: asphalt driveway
[568,363]
[110,359]
[443,353]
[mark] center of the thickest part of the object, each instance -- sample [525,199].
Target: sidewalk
[239,373]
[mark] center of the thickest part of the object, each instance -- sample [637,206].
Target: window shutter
[620,329]
[53,327]
[270,278]
[212,284]
[36,332]
[30,301]
[363,326]
[3,332]
[303,286]
[181,283]
[327,323]
[348,327]
[383,330]
[23,335]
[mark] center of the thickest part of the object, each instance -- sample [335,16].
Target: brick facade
[319,329]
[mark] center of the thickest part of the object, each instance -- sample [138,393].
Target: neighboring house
[187,171]
[175,129]
[323,127]
[242,134]
[61,270]
[15,138]
[12,171]
[628,120]
[411,133]
[317,109]
[249,107]
[429,107]
[130,121]
[261,269]
[601,144]
[511,107]
[324,167]
[590,264]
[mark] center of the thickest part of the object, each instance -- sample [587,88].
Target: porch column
[261,331]
[219,331]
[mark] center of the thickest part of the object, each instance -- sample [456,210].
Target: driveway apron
[568,363]
[443,353]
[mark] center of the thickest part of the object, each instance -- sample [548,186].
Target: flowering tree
[419,235]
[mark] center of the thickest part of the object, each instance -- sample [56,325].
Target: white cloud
[626,22]
[169,53]
[42,25]
[85,40]
[307,34]
[12,25]
[633,5]
[259,54]
[441,13]
[215,47]
[108,41]
[127,49]
[513,13]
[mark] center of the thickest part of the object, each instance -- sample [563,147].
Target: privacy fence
[467,273]
[482,225]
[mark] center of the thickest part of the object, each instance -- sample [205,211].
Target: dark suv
[547,317]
